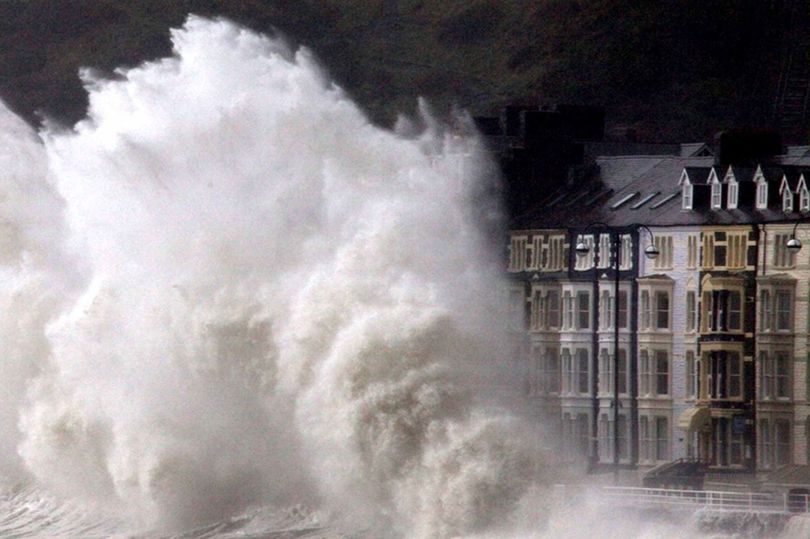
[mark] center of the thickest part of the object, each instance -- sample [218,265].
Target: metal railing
[714,500]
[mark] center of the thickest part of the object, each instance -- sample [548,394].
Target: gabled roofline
[729,176]
[783,184]
[802,185]
[758,175]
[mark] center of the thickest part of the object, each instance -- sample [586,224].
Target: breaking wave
[226,291]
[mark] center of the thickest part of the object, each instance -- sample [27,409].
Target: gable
[784,185]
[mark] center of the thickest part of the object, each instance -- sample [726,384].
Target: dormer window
[787,200]
[733,195]
[762,195]
[717,195]
[686,193]
[804,199]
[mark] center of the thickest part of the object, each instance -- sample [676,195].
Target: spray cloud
[230,288]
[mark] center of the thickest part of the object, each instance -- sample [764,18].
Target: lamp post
[794,245]
[651,252]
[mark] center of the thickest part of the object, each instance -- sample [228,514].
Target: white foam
[231,288]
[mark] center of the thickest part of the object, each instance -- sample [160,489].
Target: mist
[226,288]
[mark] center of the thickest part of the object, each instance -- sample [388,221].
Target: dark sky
[669,70]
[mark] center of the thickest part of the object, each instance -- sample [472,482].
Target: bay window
[723,375]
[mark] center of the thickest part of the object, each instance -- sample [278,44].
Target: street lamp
[794,245]
[651,252]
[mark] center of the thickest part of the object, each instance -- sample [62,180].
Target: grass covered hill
[672,69]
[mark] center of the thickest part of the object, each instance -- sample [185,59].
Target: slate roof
[694,149]
[631,190]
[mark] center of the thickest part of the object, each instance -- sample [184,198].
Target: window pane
[765,316]
[782,375]
[568,310]
[783,310]
[690,373]
[553,309]
[766,443]
[582,367]
[622,309]
[662,372]
[622,371]
[584,310]
[644,373]
[645,309]
[662,310]
[735,311]
[734,377]
[662,435]
[766,376]
[690,311]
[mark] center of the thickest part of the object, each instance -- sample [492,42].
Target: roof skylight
[644,200]
[624,200]
[663,201]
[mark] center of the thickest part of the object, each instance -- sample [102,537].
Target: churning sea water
[231,306]
[226,289]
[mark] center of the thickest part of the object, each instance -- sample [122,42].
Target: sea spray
[38,278]
[264,298]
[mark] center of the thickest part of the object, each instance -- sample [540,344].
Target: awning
[694,418]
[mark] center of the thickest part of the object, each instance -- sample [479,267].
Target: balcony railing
[720,501]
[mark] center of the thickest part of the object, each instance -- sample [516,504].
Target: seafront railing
[714,500]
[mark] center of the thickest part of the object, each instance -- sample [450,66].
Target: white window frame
[579,355]
[626,248]
[782,374]
[787,200]
[691,311]
[687,196]
[778,311]
[557,253]
[666,248]
[659,294]
[782,256]
[605,251]
[692,251]
[762,195]
[547,323]
[717,195]
[692,375]
[736,250]
[586,312]
[733,194]
[657,373]
[646,310]
[517,253]
[804,196]
[775,375]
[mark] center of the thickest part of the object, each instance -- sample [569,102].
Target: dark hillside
[668,70]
